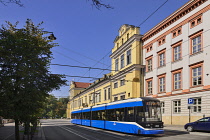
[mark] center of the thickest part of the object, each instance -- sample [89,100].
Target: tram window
[139,114]
[103,115]
[120,114]
[86,115]
[99,115]
[130,114]
[94,115]
[111,116]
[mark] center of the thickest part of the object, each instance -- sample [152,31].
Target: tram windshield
[152,111]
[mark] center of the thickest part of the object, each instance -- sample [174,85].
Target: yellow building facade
[123,82]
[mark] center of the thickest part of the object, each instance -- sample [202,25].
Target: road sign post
[190,103]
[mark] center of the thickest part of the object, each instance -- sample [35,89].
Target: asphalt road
[64,130]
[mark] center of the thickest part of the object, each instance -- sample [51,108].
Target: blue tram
[136,116]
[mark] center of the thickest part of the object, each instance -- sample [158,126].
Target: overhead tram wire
[153,13]
[141,24]
[81,67]
[133,48]
[98,62]
[70,58]
[70,50]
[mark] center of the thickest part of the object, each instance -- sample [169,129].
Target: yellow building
[123,82]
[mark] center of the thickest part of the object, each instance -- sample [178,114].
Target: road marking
[95,131]
[12,134]
[70,130]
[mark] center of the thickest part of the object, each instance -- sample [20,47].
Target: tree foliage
[55,108]
[25,79]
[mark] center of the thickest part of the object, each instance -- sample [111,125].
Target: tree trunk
[17,135]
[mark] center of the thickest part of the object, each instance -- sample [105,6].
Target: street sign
[190,100]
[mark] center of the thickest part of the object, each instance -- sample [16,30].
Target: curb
[41,135]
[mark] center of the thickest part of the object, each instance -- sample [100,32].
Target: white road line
[12,134]
[95,131]
[70,130]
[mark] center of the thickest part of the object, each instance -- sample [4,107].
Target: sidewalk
[174,127]
[7,132]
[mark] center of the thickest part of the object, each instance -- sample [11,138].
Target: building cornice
[178,25]
[126,45]
[185,9]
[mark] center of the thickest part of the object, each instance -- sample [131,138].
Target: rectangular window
[177,81]
[90,100]
[162,107]
[161,84]
[122,61]
[97,97]
[115,98]
[176,32]
[196,76]
[116,85]
[104,94]
[122,82]
[195,21]
[149,64]
[177,106]
[161,59]
[149,87]
[196,105]
[161,41]
[122,97]
[128,57]
[177,53]
[109,93]
[116,64]
[196,42]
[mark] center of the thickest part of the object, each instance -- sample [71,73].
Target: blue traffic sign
[190,100]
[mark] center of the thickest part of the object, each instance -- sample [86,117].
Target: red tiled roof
[81,85]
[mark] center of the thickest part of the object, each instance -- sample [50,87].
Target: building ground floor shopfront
[176,110]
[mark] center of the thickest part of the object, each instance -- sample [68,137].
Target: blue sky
[85,35]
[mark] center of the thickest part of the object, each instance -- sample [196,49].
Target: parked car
[199,125]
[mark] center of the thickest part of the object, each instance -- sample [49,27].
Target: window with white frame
[196,105]
[128,57]
[177,53]
[122,61]
[177,80]
[162,107]
[149,64]
[97,97]
[196,44]
[197,76]
[149,87]
[177,106]
[161,59]
[162,84]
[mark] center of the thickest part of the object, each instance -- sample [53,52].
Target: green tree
[25,79]
[55,107]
